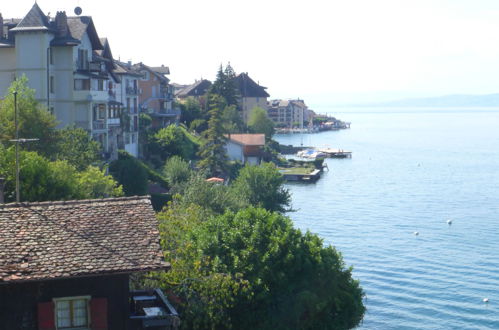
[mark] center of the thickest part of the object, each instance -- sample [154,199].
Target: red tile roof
[249,139]
[51,240]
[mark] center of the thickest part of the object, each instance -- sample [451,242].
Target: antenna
[78,10]
[17,140]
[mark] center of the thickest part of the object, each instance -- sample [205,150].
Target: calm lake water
[412,170]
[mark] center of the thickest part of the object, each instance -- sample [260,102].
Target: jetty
[298,176]
[335,153]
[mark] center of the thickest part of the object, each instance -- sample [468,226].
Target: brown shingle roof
[248,139]
[247,87]
[52,240]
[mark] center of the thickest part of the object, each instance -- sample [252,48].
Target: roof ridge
[74,201]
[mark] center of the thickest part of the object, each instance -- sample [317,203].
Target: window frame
[71,299]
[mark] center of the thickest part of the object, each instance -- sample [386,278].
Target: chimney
[2,185]
[61,22]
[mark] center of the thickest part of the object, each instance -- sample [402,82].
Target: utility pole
[17,140]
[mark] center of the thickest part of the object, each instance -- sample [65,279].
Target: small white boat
[310,154]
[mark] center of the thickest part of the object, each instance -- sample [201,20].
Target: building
[288,113]
[127,94]
[67,264]
[156,95]
[245,148]
[251,94]
[72,71]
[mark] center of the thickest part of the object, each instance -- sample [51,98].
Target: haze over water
[412,170]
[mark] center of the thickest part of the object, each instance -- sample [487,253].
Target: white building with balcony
[69,67]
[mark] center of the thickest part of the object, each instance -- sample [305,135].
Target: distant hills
[489,100]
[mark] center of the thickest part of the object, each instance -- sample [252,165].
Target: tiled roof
[248,87]
[52,240]
[161,69]
[35,19]
[248,139]
[200,87]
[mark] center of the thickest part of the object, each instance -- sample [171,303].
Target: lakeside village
[130,202]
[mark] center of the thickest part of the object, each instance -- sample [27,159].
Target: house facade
[288,113]
[66,265]
[70,68]
[156,95]
[127,93]
[245,148]
[251,94]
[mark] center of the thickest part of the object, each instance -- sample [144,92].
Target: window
[82,59]
[82,84]
[145,75]
[72,312]
[52,111]
[51,84]
[100,84]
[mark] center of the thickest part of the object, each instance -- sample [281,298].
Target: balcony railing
[132,90]
[113,121]
[99,125]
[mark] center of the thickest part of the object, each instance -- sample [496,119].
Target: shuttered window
[72,312]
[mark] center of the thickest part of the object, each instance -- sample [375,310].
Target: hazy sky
[320,50]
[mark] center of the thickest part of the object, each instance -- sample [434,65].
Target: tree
[259,122]
[43,180]
[77,147]
[232,121]
[130,173]
[173,140]
[213,154]
[34,121]
[262,186]
[224,85]
[176,171]
[94,183]
[253,270]
[190,111]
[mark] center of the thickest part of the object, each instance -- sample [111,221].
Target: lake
[411,171]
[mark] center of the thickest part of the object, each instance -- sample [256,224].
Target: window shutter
[98,313]
[46,318]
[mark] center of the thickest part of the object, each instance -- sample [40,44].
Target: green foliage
[174,140]
[259,122]
[213,154]
[176,171]
[190,111]
[94,183]
[35,122]
[213,197]
[253,270]
[262,186]
[199,125]
[130,173]
[232,121]
[43,180]
[77,147]
[224,85]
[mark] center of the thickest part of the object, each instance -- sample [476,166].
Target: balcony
[99,125]
[132,91]
[150,308]
[113,121]
[94,66]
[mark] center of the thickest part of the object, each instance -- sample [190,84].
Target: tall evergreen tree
[225,85]
[213,154]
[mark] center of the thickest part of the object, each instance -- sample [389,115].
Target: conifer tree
[225,85]
[213,154]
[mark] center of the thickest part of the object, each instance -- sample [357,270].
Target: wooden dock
[335,153]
